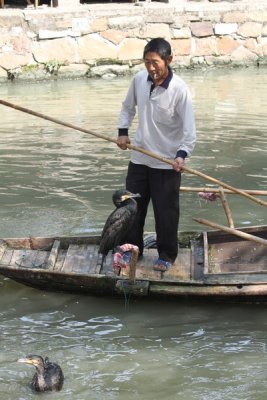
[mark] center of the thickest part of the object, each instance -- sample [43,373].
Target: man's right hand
[122,142]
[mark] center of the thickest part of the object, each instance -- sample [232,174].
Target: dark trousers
[162,186]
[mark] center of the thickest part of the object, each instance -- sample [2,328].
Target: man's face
[156,67]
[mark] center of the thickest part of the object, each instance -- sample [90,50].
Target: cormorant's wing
[116,227]
[53,376]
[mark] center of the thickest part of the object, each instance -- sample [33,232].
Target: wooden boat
[210,263]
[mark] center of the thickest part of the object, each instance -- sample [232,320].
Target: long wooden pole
[216,190]
[233,231]
[130,146]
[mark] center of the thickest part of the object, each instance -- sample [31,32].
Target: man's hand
[122,142]
[178,164]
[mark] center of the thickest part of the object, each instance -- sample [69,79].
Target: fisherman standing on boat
[166,126]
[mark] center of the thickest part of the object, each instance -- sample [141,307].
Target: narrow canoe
[210,263]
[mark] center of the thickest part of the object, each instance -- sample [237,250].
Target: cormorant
[48,376]
[120,221]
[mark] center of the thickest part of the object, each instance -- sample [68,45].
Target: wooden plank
[237,257]
[144,267]
[181,268]
[236,278]
[208,290]
[52,259]
[107,268]
[7,256]
[28,259]
[60,260]
[81,259]
[3,247]
[197,263]
[94,267]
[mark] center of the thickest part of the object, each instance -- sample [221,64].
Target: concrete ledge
[72,41]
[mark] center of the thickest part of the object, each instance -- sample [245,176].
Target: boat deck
[84,259]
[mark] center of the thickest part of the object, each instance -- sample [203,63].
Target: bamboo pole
[226,208]
[216,190]
[233,231]
[139,149]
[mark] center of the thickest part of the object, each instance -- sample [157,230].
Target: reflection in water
[55,180]
[59,181]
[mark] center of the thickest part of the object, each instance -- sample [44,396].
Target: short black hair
[160,46]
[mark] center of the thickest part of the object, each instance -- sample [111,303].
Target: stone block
[252,45]
[73,71]
[116,70]
[151,31]
[164,15]
[80,25]
[234,17]
[11,18]
[125,23]
[226,45]
[183,33]
[10,61]
[243,55]
[93,47]
[250,29]
[181,62]
[258,16]
[202,29]
[113,36]
[131,49]
[44,34]
[225,29]
[21,44]
[62,50]
[181,47]
[99,24]
[205,47]
[37,22]
[220,61]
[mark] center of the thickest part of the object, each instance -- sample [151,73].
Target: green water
[59,181]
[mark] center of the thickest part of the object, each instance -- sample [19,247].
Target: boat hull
[209,264]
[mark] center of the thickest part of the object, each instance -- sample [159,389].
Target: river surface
[59,181]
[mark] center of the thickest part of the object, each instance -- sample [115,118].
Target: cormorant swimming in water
[120,221]
[48,376]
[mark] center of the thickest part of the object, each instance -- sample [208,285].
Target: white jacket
[166,120]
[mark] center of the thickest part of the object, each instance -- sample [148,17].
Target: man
[166,126]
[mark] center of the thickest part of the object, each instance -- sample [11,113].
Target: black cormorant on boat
[48,376]
[120,221]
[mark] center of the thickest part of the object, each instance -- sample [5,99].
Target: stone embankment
[108,39]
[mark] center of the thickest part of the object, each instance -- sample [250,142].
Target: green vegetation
[53,66]
[30,68]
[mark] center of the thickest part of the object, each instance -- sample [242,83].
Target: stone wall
[108,39]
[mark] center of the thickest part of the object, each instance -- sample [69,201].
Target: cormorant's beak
[130,196]
[25,361]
